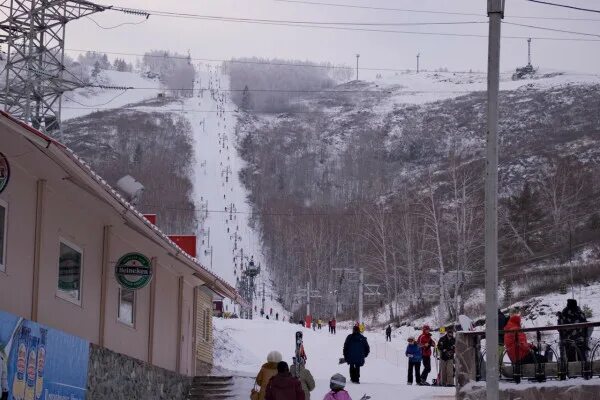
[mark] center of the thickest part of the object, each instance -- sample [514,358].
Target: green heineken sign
[4,172]
[133,271]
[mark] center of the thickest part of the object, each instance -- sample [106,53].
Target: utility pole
[529,51]
[418,55]
[263,297]
[361,282]
[308,298]
[495,14]
[357,57]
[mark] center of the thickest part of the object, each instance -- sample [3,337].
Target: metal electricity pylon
[33,33]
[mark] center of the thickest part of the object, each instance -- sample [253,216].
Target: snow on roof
[102,184]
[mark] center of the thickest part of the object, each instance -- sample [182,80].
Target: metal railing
[554,356]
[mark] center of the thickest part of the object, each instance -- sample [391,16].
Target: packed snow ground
[241,346]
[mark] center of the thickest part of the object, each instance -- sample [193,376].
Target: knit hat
[410,339]
[337,382]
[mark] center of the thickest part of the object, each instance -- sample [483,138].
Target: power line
[162,13]
[335,26]
[565,6]
[343,5]
[552,29]
[118,25]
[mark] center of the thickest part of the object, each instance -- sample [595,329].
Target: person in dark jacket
[502,320]
[413,352]
[573,340]
[356,349]
[388,333]
[447,346]
[284,386]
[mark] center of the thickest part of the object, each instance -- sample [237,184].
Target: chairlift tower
[33,33]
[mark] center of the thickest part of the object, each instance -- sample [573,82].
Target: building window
[69,272]
[127,306]
[3,230]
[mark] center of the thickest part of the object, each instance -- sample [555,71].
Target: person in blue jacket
[413,352]
[356,349]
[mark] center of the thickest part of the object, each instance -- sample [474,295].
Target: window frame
[133,308]
[4,204]
[60,294]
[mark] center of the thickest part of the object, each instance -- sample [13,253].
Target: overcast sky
[222,40]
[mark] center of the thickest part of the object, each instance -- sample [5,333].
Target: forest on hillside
[401,195]
[153,147]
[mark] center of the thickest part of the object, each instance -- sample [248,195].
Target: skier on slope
[388,333]
[356,349]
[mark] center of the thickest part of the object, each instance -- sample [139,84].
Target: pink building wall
[71,211]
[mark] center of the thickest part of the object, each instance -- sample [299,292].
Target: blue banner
[42,363]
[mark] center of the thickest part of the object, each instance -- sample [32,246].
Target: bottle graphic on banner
[31,372]
[18,387]
[41,363]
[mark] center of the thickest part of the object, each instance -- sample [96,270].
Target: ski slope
[225,235]
[241,346]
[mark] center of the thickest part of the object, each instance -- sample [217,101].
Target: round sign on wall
[133,271]
[4,172]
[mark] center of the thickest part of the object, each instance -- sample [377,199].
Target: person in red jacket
[284,386]
[517,347]
[426,343]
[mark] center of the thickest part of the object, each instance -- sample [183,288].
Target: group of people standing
[421,350]
[573,343]
[278,381]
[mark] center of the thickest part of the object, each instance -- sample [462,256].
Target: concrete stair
[211,388]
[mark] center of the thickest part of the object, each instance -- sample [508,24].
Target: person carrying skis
[388,333]
[426,343]
[446,347]
[300,371]
[413,352]
[356,349]
[337,383]
[284,386]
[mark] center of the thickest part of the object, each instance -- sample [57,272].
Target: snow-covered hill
[88,100]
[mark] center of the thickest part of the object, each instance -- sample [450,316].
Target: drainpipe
[37,247]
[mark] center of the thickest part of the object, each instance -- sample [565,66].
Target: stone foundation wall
[118,377]
[576,389]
